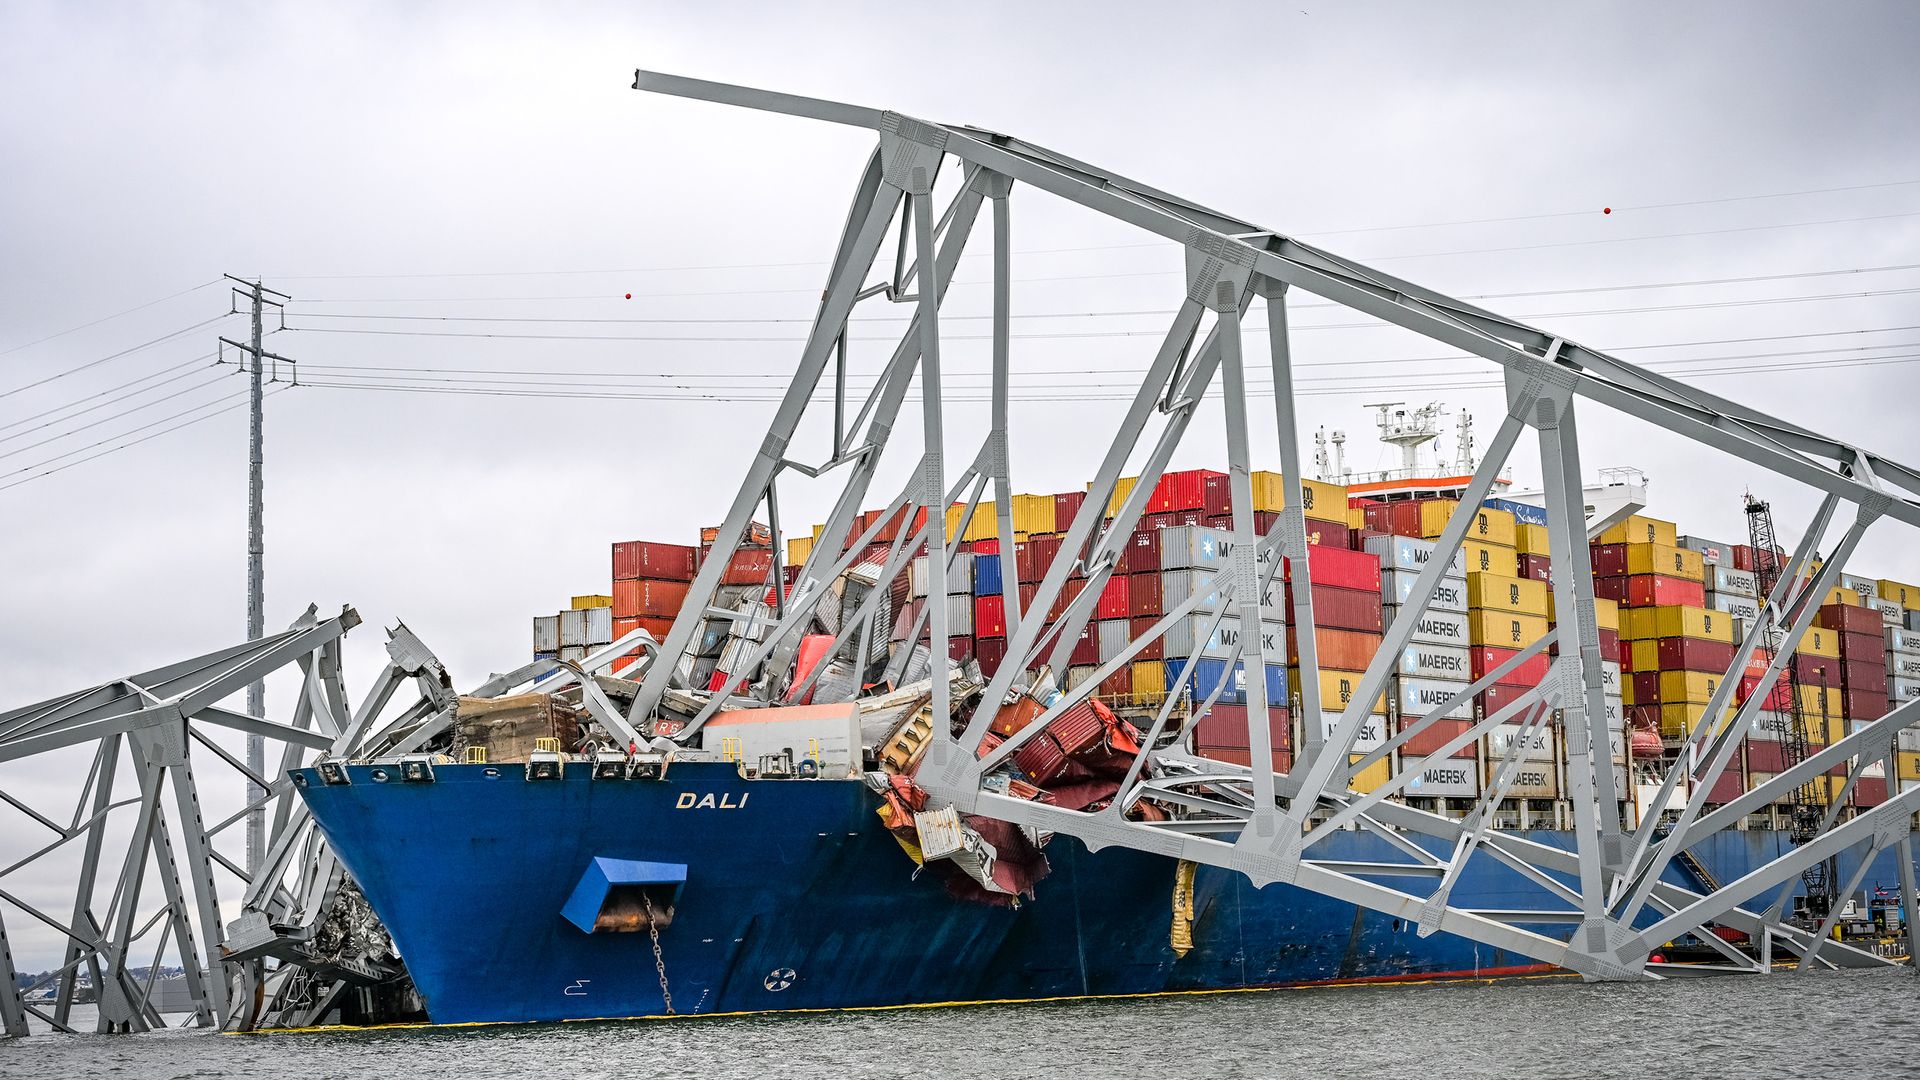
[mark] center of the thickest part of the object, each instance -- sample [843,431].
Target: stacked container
[1434,666]
[649,585]
[1348,628]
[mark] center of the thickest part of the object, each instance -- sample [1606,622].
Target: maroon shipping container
[1338,650]
[1033,557]
[1730,784]
[1485,658]
[1431,738]
[1658,590]
[1537,567]
[1495,698]
[1743,557]
[1183,490]
[1611,588]
[1086,650]
[1152,650]
[959,648]
[1065,506]
[1113,599]
[1861,648]
[1863,704]
[990,616]
[1160,521]
[991,653]
[1224,727]
[1282,760]
[1846,617]
[747,566]
[1339,568]
[1870,791]
[642,596]
[1330,534]
[1765,757]
[1142,553]
[1070,591]
[1864,675]
[1345,609]
[636,559]
[1609,560]
[1380,517]
[1646,687]
[1817,670]
[1143,593]
[1217,493]
[1693,654]
[1119,684]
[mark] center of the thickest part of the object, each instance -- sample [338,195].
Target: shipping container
[637,559]
[1434,627]
[1641,530]
[1665,560]
[1346,609]
[1319,500]
[1537,568]
[1375,776]
[1532,539]
[987,580]
[1483,659]
[1819,641]
[1712,552]
[648,596]
[959,574]
[1113,600]
[1411,553]
[1416,698]
[1742,609]
[1207,674]
[1337,568]
[1523,513]
[1396,587]
[1143,594]
[1447,662]
[1142,553]
[1371,736]
[1183,636]
[1907,596]
[1505,630]
[1529,779]
[1113,636]
[1452,778]
[1490,558]
[1152,649]
[1667,622]
[1177,585]
[1537,744]
[1338,687]
[1726,580]
[990,617]
[1606,613]
[1226,727]
[1848,619]
[1658,590]
[1342,649]
[546,633]
[1510,595]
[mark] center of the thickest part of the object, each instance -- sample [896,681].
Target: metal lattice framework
[1608,906]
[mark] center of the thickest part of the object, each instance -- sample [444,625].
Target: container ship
[530,867]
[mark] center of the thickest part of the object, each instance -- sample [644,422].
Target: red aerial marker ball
[1606,209]
[630,295]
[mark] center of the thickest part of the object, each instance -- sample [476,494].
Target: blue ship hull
[796,897]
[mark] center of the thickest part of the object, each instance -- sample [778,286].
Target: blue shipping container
[1530,515]
[986,575]
[1207,674]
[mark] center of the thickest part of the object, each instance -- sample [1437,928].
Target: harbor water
[1820,1024]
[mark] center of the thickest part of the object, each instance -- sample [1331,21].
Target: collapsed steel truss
[1609,890]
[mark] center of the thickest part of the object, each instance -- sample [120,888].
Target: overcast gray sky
[478,160]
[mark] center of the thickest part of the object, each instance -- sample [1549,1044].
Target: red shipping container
[1339,568]
[959,648]
[1282,761]
[1729,785]
[1863,704]
[1780,699]
[1065,506]
[1693,654]
[991,652]
[1658,590]
[1863,676]
[648,597]
[1380,517]
[1611,648]
[891,530]
[1035,556]
[748,566]
[1070,591]
[1435,735]
[1142,553]
[1611,588]
[1495,698]
[1330,534]
[1338,650]
[1153,650]
[634,559]
[1870,791]
[1217,492]
[1646,687]
[1537,567]
[1220,521]
[1160,521]
[1864,647]
[1113,599]
[1345,609]
[1086,650]
[1183,490]
[1224,727]
[990,616]
[1846,617]
[1143,593]
[1765,757]
[986,547]
[1485,658]
[1817,670]
[1027,593]
[1609,560]
[1119,684]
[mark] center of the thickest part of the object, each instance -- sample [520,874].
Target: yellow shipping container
[1840,594]
[1434,515]
[1485,558]
[1692,687]
[1336,689]
[1818,641]
[1690,622]
[1606,613]
[1498,592]
[1505,630]
[1642,530]
[1356,518]
[1530,539]
[592,600]
[1675,562]
[1908,765]
[1493,526]
[1121,489]
[1645,654]
[1033,514]
[1678,720]
[1150,682]
[1373,776]
[1907,596]
[1321,501]
[798,549]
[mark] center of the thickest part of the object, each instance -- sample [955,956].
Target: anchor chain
[659,962]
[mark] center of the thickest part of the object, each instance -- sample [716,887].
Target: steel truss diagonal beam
[1600,907]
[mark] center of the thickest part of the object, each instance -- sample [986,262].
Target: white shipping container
[1539,744]
[1903,663]
[1396,587]
[1727,580]
[573,628]
[1177,585]
[1864,586]
[1610,677]
[1891,613]
[827,734]
[546,633]
[1373,731]
[1743,608]
[1418,697]
[1902,690]
[959,574]
[1532,779]
[600,626]
[1712,552]
[1908,739]
[1432,627]
[1616,713]
[1900,639]
[1197,546]
[959,615]
[1451,662]
[1767,726]
[1180,638]
[1409,553]
[1112,637]
[575,653]
[1455,778]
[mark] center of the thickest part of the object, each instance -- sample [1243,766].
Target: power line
[91,424]
[1104,247]
[1249,329]
[102,393]
[123,434]
[108,318]
[115,356]
[124,446]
